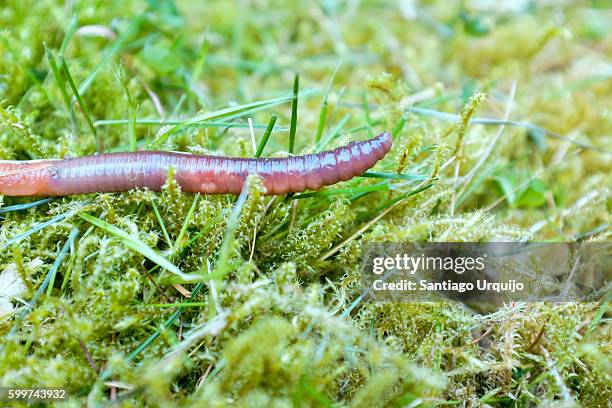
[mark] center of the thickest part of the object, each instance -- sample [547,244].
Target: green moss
[286,325]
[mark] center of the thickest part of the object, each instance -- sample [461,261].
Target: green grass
[227,113]
[264,139]
[325,105]
[134,244]
[82,104]
[57,75]
[271,310]
[294,110]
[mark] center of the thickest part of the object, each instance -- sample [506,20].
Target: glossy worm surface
[111,172]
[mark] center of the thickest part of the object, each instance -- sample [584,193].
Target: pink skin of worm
[114,172]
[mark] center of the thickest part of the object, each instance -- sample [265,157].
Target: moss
[286,326]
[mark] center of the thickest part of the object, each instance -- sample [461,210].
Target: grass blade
[47,282]
[60,258]
[82,103]
[333,134]
[599,314]
[294,107]
[266,135]
[366,109]
[222,267]
[21,207]
[72,27]
[199,65]
[396,200]
[232,112]
[323,113]
[186,304]
[195,75]
[185,225]
[135,245]
[162,122]
[161,224]
[38,227]
[58,77]
[394,176]
[131,121]
[165,326]
[336,191]
[398,128]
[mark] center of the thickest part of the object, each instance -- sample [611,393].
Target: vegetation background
[501,116]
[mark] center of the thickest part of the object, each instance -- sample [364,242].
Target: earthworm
[114,172]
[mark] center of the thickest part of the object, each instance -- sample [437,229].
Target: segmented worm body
[113,172]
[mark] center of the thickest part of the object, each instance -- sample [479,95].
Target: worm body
[113,172]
